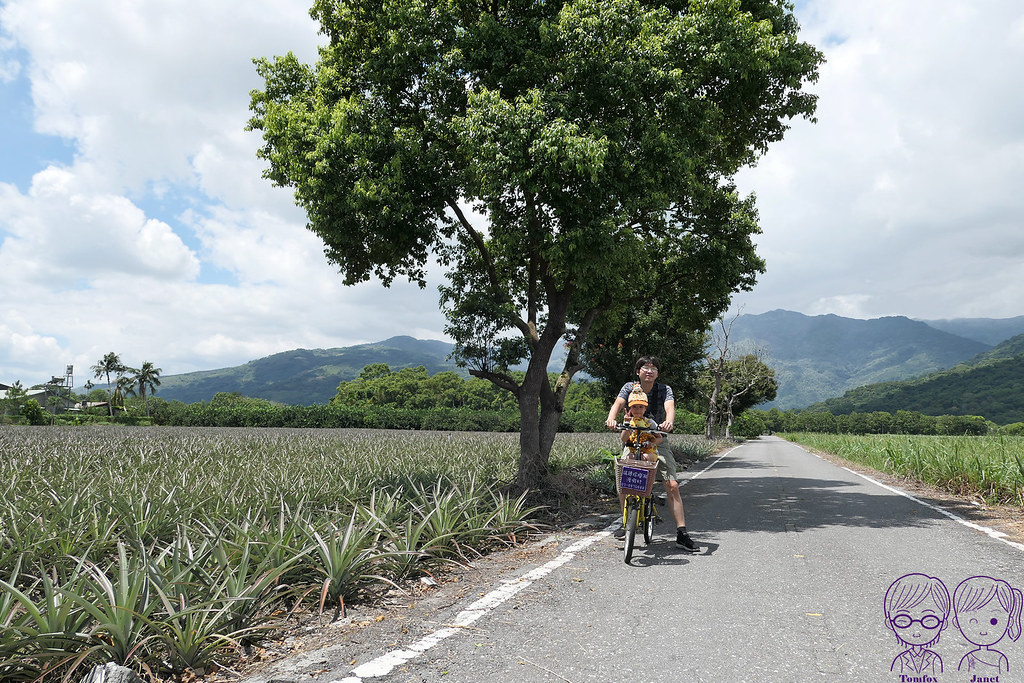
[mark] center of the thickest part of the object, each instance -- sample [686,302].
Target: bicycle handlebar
[624,427]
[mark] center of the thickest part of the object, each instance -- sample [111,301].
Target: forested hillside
[307,376]
[814,358]
[820,357]
[990,385]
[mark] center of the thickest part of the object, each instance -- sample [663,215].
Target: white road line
[988,531]
[689,479]
[386,663]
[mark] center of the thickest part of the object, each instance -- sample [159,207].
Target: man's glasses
[928,621]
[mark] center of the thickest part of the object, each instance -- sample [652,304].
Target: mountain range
[990,385]
[819,357]
[307,376]
[815,358]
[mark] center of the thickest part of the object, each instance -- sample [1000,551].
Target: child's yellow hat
[637,397]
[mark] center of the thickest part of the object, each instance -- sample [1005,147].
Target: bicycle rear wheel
[631,514]
[648,520]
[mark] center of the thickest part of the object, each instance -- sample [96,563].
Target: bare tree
[716,354]
[728,384]
[748,381]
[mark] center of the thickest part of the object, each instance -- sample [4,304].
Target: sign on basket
[635,478]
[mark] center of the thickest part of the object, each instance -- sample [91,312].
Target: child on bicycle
[635,418]
[647,440]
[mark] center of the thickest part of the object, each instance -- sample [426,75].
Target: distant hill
[815,358]
[820,357]
[990,385]
[1012,347]
[989,331]
[306,376]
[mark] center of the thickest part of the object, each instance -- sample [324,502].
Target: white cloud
[913,168]
[903,199]
[10,68]
[154,97]
[145,87]
[60,233]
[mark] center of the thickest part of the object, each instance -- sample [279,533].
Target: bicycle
[635,476]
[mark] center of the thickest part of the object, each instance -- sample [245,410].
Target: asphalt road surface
[798,555]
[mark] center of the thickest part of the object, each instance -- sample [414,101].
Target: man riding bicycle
[661,406]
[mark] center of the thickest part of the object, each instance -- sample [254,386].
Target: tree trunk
[110,397]
[709,429]
[532,460]
[540,413]
[540,407]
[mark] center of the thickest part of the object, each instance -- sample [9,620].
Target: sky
[134,218]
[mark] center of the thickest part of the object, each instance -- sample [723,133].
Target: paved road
[798,556]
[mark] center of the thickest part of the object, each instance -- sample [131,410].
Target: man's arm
[670,415]
[616,408]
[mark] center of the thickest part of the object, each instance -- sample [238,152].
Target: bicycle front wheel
[648,520]
[631,514]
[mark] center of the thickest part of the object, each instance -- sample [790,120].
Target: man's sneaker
[620,532]
[684,541]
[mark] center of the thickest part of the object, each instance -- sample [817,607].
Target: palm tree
[109,365]
[146,377]
[124,386]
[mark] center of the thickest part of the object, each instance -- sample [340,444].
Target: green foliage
[33,412]
[192,541]
[730,386]
[585,133]
[994,390]
[646,329]
[109,365]
[1014,429]
[1004,350]
[748,426]
[989,467]
[13,398]
[878,422]
[688,422]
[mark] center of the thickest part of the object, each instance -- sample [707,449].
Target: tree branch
[499,379]
[492,274]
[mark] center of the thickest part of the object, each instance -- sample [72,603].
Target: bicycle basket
[635,476]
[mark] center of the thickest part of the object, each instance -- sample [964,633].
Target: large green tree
[13,398]
[556,156]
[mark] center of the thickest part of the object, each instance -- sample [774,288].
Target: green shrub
[33,412]
[688,423]
[583,421]
[748,426]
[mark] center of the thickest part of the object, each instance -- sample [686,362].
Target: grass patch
[989,467]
